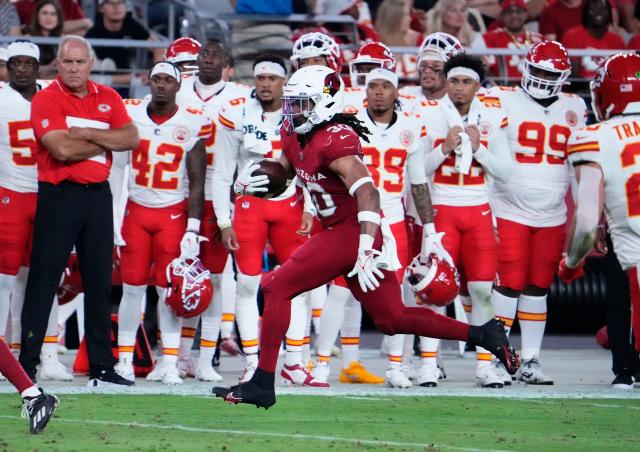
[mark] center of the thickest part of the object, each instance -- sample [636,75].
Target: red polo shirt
[57,108]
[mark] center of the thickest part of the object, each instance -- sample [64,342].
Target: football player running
[323,148]
[162,219]
[18,191]
[208,92]
[605,157]
[250,131]
[469,146]
[530,208]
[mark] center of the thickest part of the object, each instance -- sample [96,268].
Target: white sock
[211,320]
[187,336]
[482,312]
[7,283]
[395,345]
[295,333]
[429,345]
[505,309]
[49,348]
[247,311]
[129,319]
[306,344]
[170,325]
[332,317]
[350,331]
[17,300]
[317,300]
[532,316]
[33,391]
[227,287]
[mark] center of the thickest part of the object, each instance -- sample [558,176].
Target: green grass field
[310,423]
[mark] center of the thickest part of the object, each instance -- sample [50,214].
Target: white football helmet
[314,93]
[439,46]
[317,44]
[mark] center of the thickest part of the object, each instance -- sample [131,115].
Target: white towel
[388,259]
[464,152]
[254,125]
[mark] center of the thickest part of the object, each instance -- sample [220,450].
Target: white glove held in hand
[432,244]
[366,266]
[246,184]
[190,245]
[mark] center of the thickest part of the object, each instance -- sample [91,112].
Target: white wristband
[366,242]
[429,229]
[193,225]
[357,184]
[367,215]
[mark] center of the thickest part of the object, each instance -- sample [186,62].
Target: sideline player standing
[605,157]
[469,143]
[166,197]
[323,149]
[530,208]
[251,130]
[77,124]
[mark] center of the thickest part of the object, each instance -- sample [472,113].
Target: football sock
[17,300]
[350,331]
[247,311]
[210,327]
[295,332]
[505,309]
[6,287]
[395,346]
[482,312]
[129,319]
[332,316]
[317,299]
[532,316]
[227,288]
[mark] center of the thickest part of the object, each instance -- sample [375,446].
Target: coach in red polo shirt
[77,124]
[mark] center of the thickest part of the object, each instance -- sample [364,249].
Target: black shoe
[492,337]
[623,380]
[39,410]
[249,392]
[108,377]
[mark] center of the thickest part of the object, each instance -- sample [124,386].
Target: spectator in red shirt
[513,35]
[74,21]
[558,17]
[634,43]
[593,33]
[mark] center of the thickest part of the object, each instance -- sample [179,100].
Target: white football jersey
[411,97]
[246,133]
[18,171]
[226,92]
[450,187]
[394,153]
[158,176]
[354,98]
[538,136]
[615,145]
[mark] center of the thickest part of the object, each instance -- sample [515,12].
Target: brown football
[277,175]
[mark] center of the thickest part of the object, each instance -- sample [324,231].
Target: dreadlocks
[346,119]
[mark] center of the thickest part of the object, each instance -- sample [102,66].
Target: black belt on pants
[91,186]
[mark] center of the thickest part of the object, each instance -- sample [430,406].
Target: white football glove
[190,245]
[246,184]
[366,266]
[432,244]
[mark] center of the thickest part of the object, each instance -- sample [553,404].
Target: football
[277,175]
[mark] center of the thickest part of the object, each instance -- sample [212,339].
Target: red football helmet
[190,290]
[71,281]
[183,52]
[433,280]
[371,53]
[546,69]
[316,44]
[615,89]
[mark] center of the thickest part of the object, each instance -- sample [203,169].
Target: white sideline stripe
[368,442]
[604,405]
[365,398]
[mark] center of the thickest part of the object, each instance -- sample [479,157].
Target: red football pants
[255,220]
[469,239]
[17,212]
[11,368]
[528,256]
[324,257]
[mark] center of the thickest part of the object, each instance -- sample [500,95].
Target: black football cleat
[39,410]
[249,392]
[493,338]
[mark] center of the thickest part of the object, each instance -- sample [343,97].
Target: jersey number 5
[23,149]
[140,163]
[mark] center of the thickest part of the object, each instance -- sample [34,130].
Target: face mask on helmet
[190,291]
[439,46]
[434,281]
[542,83]
[313,45]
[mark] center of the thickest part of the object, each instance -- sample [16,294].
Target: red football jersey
[579,38]
[502,39]
[311,163]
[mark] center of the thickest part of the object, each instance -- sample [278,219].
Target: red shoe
[298,375]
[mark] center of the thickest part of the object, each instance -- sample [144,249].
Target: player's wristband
[366,242]
[429,229]
[193,225]
[357,184]
[367,215]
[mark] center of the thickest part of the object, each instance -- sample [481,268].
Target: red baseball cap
[506,4]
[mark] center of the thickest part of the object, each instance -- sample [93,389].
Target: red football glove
[568,274]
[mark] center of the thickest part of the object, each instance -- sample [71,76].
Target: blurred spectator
[593,33]
[9,20]
[351,8]
[47,21]
[626,15]
[392,23]
[513,35]
[262,6]
[74,21]
[489,9]
[4,74]
[559,16]
[634,42]
[229,69]
[452,16]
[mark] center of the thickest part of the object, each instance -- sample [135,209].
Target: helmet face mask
[439,46]
[316,44]
[183,52]
[433,281]
[546,69]
[190,291]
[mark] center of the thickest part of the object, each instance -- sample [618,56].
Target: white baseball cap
[23,48]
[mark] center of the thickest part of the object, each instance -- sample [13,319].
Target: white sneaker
[299,375]
[486,377]
[531,373]
[206,372]
[321,372]
[124,368]
[171,375]
[249,368]
[158,371]
[428,375]
[409,369]
[395,377]
[52,369]
[186,367]
[501,372]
